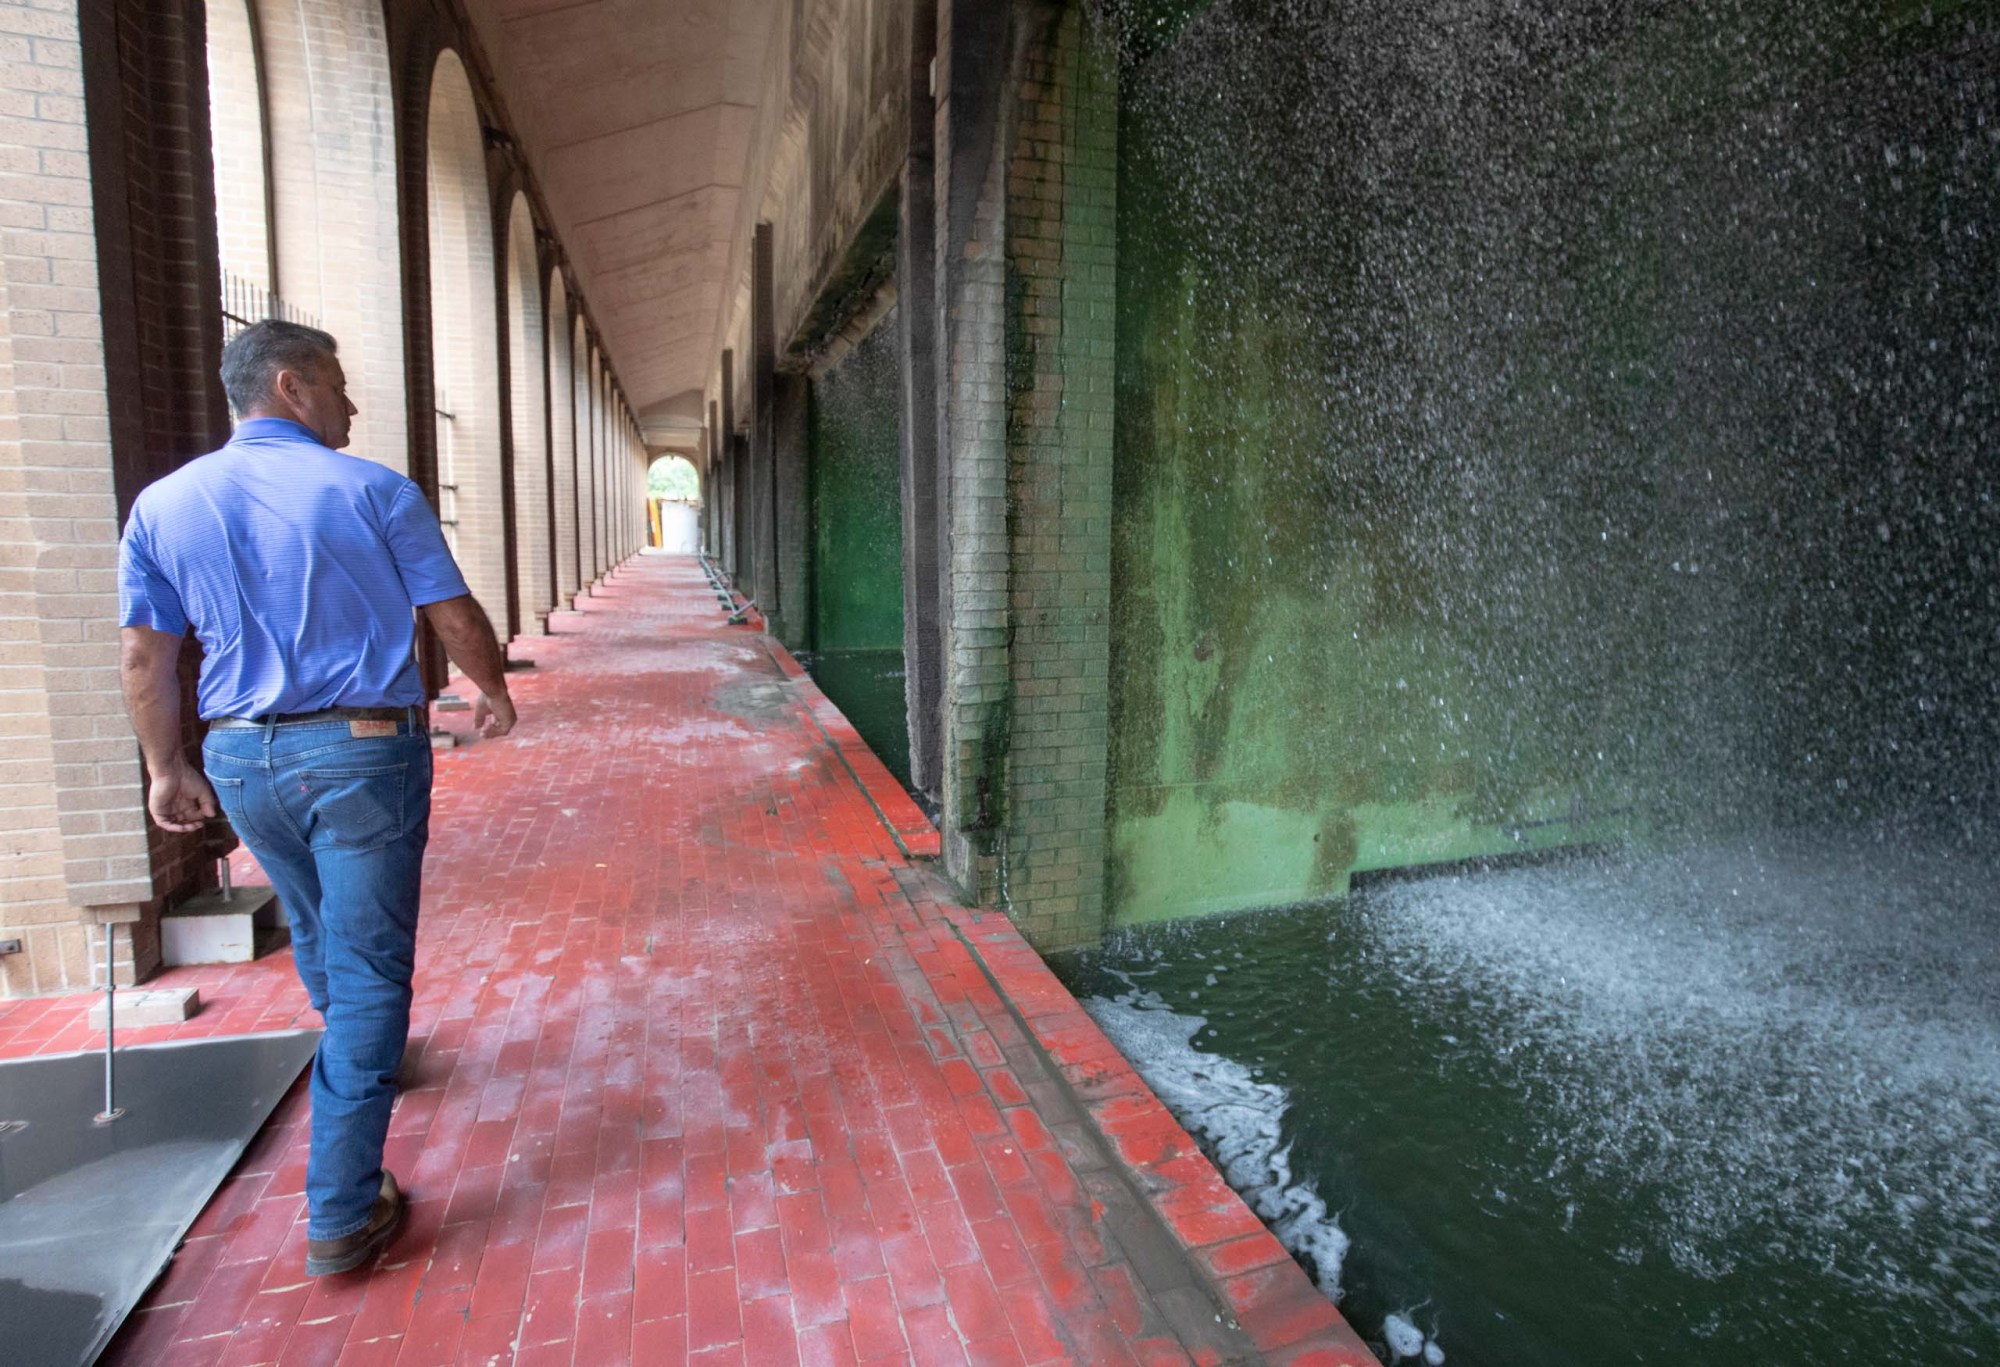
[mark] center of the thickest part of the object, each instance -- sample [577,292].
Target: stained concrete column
[732,473]
[713,484]
[763,520]
[923,531]
[789,400]
[975,67]
[1025,292]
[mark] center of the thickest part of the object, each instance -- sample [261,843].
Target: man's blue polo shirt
[298,568]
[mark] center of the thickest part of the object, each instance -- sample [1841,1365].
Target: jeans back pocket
[357,808]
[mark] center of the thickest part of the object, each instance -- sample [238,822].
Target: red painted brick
[690,1097]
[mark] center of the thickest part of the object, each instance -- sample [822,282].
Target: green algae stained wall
[1518,440]
[857,528]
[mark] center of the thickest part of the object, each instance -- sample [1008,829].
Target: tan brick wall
[1025,300]
[334,198]
[1061,217]
[527,354]
[971,278]
[71,831]
[465,339]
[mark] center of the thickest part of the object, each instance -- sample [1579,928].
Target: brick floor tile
[770,1337]
[714,1313]
[874,1319]
[659,1343]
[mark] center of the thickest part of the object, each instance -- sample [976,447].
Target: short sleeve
[146,598]
[417,545]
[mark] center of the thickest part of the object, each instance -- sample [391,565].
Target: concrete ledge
[1288,1318]
[906,822]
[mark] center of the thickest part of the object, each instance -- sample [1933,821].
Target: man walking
[299,569]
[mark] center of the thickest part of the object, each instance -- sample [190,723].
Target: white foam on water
[1405,1340]
[1793,1049]
[1236,1118]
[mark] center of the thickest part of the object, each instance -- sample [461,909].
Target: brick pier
[708,1068]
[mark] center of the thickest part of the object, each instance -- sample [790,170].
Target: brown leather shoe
[324,1256]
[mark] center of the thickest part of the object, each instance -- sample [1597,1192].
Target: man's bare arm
[179,798]
[469,640]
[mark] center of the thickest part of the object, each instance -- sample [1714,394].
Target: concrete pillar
[562,441]
[923,508]
[790,398]
[733,514]
[711,489]
[1025,287]
[973,66]
[763,511]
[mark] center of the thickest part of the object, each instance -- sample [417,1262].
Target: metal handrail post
[111,1111]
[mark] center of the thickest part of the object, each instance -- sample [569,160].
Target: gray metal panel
[90,1214]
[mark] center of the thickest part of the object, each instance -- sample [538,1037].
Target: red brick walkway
[710,1071]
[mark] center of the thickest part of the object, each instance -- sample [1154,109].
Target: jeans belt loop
[270,728]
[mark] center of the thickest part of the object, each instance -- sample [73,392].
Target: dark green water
[867,686]
[1735,1105]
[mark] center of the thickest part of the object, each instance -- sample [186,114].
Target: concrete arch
[562,439]
[465,349]
[336,245]
[527,387]
[237,144]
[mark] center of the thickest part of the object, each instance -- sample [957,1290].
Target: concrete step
[209,930]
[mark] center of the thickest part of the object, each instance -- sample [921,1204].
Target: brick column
[713,504]
[790,398]
[1061,216]
[974,66]
[763,521]
[923,531]
[562,441]
[109,333]
[1026,205]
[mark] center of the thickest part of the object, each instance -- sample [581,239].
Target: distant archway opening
[673,505]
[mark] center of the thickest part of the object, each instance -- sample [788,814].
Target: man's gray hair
[253,358]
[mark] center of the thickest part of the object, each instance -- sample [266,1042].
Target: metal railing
[245,302]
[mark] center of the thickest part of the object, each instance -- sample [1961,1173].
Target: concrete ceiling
[637,117]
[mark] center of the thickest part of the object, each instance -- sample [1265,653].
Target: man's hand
[181,799]
[467,635]
[493,717]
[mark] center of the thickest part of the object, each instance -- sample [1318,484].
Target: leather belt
[412,714]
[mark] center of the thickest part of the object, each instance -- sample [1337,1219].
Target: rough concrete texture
[1507,504]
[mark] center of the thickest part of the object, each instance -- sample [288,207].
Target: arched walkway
[465,340]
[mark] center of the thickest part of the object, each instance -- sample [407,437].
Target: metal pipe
[222,875]
[110,1111]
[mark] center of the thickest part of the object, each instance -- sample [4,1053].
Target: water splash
[1236,1118]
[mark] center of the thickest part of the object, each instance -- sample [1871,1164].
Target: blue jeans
[339,823]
